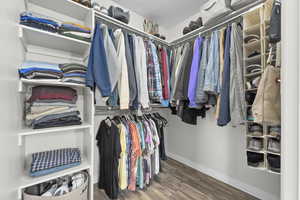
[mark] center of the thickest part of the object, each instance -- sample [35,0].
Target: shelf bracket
[20,140]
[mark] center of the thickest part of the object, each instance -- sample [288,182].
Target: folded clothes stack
[51,106]
[75,31]
[29,19]
[48,162]
[73,73]
[40,70]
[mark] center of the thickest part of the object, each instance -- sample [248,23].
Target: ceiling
[167,13]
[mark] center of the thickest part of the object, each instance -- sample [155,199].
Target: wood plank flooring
[180,182]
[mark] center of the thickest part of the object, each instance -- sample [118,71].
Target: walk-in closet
[150,100]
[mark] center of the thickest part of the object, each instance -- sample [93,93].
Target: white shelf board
[27,181]
[50,82]
[29,131]
[272,172]
[65,7]
[273,153]
[254,151]
[258,168]
[37,37]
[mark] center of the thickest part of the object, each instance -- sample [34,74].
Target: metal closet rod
[130,29]
[104,110]
[232,17]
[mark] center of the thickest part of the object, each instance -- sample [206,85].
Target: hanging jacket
[97,72]
[211,83]
[237,90]
[165,73]
[194,72]
[224,115]
[123,85]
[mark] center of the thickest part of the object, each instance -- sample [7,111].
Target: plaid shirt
[54,158]
[154,75]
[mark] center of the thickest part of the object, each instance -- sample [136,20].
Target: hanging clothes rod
[225,20]
[119,24]
[104,110]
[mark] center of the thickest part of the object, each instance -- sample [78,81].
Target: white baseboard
[226,179]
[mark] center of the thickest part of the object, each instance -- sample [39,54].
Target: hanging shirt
[211,83]
[114,67]
[123,176]
[224,116]
[237,90]
[165,73]
[108,142]
[194,72]
[123,85]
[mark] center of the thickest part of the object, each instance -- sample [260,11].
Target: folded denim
[55,116]
[53,170]
[53,92]
[26,70]
[64,121]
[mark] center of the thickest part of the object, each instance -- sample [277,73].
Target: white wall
[10,58]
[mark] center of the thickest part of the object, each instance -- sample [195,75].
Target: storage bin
[214,10]
[81,193]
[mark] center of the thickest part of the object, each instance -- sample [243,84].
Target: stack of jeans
[75,31]
[40,70]
[73,73]
[47,162]
[29,19]
[51,106]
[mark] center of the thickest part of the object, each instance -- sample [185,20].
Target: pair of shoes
[255,144]
[275,131]
[274,145]
[254,159]
[274,162]
[255,129]
[254,83]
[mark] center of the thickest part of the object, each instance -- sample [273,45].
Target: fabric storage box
[81,193]
[214,10]
[237,4]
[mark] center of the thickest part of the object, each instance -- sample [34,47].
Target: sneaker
[255,130]
[255,144]
[274,145]
[274,162]
[275,131]
[254,159]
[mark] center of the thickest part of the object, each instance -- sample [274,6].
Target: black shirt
[108,141]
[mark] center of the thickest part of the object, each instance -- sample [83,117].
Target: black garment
[108,141]
[160,129]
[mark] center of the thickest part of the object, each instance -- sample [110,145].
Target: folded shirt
[54,158]
[36,116]
[53,170]
[53,93]
[77,80]
[66,67]
[29,19]
[40,70]
[69,26]
[79,34]
[64,121]
[75,36]
[55,116]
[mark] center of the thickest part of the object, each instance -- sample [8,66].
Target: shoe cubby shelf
[256,23]
[65,7]
[27,181]
[35,37]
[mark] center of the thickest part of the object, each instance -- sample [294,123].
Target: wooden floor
[179,182]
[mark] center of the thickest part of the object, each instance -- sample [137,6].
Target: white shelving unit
[66,7]
[65,48]
[36,37]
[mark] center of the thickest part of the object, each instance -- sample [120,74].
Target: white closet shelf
[27,181]
[24,82]
[272,172]
[29,131]
[273,153]
[32,36]
[261,151]
[65,7]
